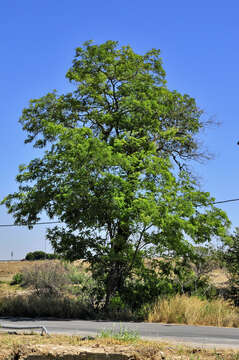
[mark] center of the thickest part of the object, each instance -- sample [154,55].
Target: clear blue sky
[199,45]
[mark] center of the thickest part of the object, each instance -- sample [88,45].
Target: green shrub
[76,274]
[230,257]
[17,279]
[40,255]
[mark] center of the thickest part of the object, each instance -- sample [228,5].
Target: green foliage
[162,278]
[145,288]
[40,255]
[17,279]
[230,258]
[113,168]
[84,286]
[77,276]
[123,334]
[187,280]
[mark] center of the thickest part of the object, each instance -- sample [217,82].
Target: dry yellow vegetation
[194,311]
[219,277]
[7,270]
[10,268]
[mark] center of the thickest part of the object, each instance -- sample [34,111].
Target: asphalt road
[197,335]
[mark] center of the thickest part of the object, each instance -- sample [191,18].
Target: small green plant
[17,279]
[122,334]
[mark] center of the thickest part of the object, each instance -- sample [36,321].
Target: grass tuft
[123,334]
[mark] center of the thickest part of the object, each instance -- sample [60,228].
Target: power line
[58,222]
[39,223]
[225,201]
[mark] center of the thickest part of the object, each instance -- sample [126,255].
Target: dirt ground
[36,347]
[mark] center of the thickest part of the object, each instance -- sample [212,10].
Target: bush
[48,278]
[165,277]
[230,256]
[17,279]
[40,255]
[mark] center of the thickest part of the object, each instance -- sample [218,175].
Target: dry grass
[7,270]
[10,268]
[219,278]
[59,345]
[194,311]
[8,290]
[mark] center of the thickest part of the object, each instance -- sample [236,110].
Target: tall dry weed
[182,309]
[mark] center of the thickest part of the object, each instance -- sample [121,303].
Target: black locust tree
[113,166]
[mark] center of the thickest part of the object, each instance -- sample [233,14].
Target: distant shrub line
[40,255]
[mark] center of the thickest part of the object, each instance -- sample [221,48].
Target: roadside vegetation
[182,309]
[183,293]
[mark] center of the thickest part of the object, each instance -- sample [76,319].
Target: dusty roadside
[36,347]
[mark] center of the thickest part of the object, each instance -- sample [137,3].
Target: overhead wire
[225,201]
[32,224]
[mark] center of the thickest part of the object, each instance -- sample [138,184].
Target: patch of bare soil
[93,352]
[36,347]
[151,351]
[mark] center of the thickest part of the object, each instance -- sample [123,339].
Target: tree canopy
[113,168]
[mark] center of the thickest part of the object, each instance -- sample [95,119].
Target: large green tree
[112,168]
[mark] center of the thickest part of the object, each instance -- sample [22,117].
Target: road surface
[197,335]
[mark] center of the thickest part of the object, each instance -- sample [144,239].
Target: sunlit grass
[194,311]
